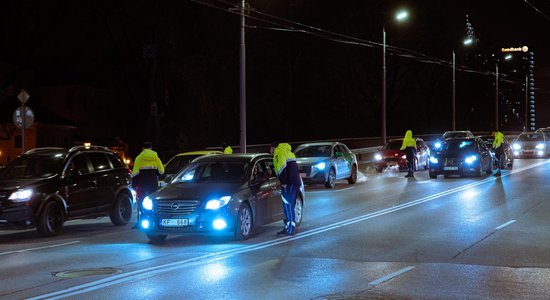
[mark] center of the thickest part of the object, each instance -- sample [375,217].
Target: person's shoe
[290,231]
[284,231]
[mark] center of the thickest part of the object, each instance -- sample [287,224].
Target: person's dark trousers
[410,153]
[288,196]
[499,155]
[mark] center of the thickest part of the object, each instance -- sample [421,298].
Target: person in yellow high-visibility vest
[499,151]
[409,146]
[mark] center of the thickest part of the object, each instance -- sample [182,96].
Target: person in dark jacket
[409,145]
[287,171]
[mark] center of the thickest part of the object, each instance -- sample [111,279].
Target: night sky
[321,84]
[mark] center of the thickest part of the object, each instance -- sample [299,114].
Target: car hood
[197,191]
[310,160]
[15,184]
[391,153]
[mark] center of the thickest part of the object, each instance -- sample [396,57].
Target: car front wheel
[50,220]
[122,210]
[244,222]
[298,210]
[331,179]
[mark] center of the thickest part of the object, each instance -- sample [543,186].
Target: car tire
[122,210]
[415,164]
[156,238]
[331,179]
[243,227]
[511,164]
[353,177]
[51,220]
[427,163]
[432,175]
[299,210]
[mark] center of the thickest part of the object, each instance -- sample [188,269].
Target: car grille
[450,162]
[178,206]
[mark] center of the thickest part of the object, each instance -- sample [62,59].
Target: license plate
[174,222]
[528,151]
[450,168]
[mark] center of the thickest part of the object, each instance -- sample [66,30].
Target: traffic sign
[18,117]
[23,96]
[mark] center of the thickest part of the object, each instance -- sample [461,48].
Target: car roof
[199,152]
[462,138]
[320,144]
[238,157]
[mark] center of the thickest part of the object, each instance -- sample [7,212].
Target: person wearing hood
[145,175]
[287,171]
[499,150]
[409,146]
[227,149]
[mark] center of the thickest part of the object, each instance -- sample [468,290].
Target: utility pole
[242,77]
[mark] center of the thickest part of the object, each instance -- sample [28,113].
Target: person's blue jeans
[288,196]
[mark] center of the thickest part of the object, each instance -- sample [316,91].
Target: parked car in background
[326,162]
[546,132]
[451,134]
[531,144]
[461,156]
[391,155]
[45,187]
[180,160]
[508,158]
[217,194]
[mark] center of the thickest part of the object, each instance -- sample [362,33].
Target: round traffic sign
[18,117]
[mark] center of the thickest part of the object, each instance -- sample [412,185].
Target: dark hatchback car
[44,187]
[217,195]
[461,156]
[508,157]
[392,155]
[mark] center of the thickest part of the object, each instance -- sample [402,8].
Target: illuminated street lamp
[506,57]
[400,16]
[467,42]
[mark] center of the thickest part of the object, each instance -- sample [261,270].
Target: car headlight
[540,146]
[21,195]
[434,160]
[516,146]
[320,166]
[437,145]
[470,159]
[217,203]
[147,203]
[377,156]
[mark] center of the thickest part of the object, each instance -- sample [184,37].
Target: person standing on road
[286,169]
[499,151]
[145,175]
[409,145]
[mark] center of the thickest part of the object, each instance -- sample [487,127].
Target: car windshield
[393,145]
[178,162]
[448,135]
[36,166]
[314,151]
[459,145]
[217,172]
[530,137]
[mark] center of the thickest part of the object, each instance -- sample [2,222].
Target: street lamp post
[399,17]
[467,42]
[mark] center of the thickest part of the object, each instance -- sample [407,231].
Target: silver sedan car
[326,162]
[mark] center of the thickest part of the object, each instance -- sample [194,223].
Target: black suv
[44,187]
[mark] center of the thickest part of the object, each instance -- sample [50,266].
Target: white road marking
[38,248]
[390,276]
[505,224]
[152,271]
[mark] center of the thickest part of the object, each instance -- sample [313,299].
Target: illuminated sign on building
[515,49]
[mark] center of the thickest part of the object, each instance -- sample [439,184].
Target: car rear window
[393,145]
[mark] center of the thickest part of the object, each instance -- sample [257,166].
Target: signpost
[23,116]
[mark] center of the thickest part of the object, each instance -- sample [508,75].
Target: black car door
[79,186]
[104,179]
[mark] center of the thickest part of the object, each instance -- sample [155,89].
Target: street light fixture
[467,42]
[400,16]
